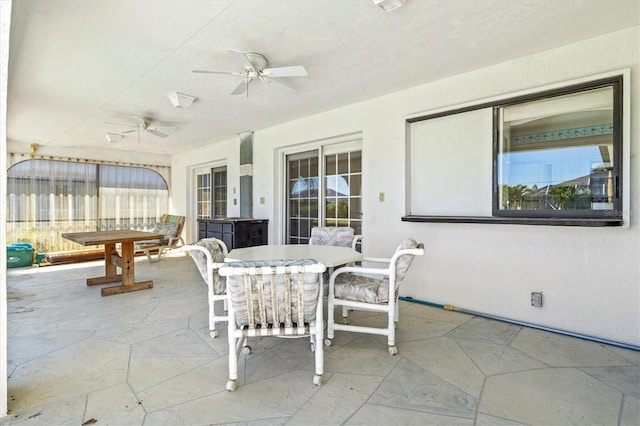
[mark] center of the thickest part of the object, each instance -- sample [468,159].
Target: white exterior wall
[183,200]
[590,277]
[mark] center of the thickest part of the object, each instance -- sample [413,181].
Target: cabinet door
[253,233]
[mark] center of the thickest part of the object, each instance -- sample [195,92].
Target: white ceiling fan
[255,67]
[143,124]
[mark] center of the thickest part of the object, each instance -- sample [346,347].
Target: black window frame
[614,214]
[580,218]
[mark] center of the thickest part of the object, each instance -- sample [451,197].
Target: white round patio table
[330,256]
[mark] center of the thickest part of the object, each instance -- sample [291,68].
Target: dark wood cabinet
[235,232]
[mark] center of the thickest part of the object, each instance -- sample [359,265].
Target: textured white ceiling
[76,64]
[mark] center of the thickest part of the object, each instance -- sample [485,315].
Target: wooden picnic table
[113,260]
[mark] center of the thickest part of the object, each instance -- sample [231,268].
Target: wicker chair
[274,298]
[208,254]
[371,289]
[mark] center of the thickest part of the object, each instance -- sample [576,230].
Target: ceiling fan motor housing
[258,61]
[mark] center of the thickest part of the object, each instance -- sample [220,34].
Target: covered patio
[146,358]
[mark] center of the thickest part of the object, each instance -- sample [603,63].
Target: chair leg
[397,311]
[345,315]
[330,321]
[151,258]
[213,318]
[232,383]
[319,355]
[246,349]
[391,326]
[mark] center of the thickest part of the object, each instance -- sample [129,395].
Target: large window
[558,155]
[547,157]
[46,198]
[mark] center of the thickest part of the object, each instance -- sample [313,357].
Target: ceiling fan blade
[163,128]
[293,71]
[279,85]
[242,87]
[242,58]
[121,124]
[217,72]
[157,133]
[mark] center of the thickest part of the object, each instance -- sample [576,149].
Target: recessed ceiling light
[181,100]
[389,5]
[113,137]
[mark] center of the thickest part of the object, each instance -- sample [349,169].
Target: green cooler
[19,254]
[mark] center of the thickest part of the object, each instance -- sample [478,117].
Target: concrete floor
[146,358]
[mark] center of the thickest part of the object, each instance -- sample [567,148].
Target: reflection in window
[343,194]
[556,156]
[220,191]
[303,183]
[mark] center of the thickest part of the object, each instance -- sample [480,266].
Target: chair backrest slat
[287,300]
[262,306]
[248,288]
[275,303]
[300,301]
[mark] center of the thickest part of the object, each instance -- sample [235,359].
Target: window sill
[589,222]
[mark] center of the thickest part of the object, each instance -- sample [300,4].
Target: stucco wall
[590,277]
[182,166]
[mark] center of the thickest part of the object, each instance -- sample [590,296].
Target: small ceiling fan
[143,124]
[255,67]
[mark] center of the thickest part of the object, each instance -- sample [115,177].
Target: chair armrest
[376,259]
[358,270]
[206,252]
[419,251]
[210,263]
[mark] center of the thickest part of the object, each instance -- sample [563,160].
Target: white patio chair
[332,236]
[274,298]
[208,254]
[371,289]
[340,236]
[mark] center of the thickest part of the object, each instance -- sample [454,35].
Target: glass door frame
[345,143]
[192,195]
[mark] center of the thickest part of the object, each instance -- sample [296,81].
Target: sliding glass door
[324,188]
